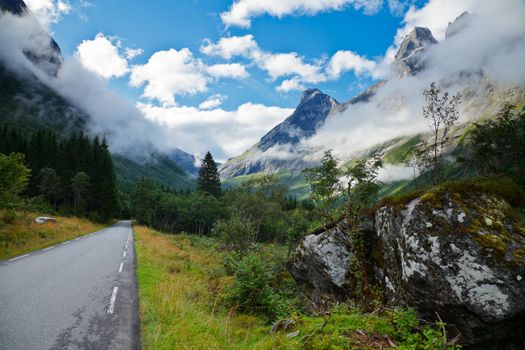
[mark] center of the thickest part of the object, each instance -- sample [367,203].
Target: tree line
[73,174]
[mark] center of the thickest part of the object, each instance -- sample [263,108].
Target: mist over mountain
[40,89]
[478,58]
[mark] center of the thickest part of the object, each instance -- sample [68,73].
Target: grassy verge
[19,234]
[182,288]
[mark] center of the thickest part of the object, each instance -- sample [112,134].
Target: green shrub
[252,290]
[414,337]
[237,233]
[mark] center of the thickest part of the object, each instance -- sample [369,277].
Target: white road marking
[124,255]
[48,248]
[112,301]
[126,246]
[66,242]
[19,257]
[120,268]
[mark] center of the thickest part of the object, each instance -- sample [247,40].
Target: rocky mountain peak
[416,40]
[409,59]
[459,24]
[309,115]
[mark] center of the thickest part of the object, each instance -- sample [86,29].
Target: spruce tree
[209,180]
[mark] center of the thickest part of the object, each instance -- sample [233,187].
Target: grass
[20,234]
[180,288]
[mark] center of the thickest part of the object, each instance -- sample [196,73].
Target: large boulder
[461,258]
[321,263]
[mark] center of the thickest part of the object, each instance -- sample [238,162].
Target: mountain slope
[28,104]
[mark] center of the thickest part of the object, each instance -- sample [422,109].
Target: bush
[414,337]
[237,233]
[252,291]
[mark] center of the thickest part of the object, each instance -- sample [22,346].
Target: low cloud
[227,133]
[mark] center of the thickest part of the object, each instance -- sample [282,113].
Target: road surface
[81,294]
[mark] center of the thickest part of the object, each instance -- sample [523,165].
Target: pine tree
[209,180]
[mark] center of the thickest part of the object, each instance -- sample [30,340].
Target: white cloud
[288,64]
[233,70]
[48,11]
[290,84]
[102,57]
[169,73]
[435,15]
[225,133]
[212,102]
[291,64]
[230,47]
[343,61]
[132,53]
[242,11]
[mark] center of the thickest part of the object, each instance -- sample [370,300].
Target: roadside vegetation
[20,234]
[193,297]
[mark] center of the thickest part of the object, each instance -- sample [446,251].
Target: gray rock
[43,219]
[322,264]
[410,58]
[445,258]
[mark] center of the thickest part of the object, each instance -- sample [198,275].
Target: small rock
[43,219]
[293,334]
[461,217]
[518,278]
[488,221]
[429,224]
[282,325]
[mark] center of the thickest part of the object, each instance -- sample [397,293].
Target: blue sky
[162,25]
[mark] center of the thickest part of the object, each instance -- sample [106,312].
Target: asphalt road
[81,294]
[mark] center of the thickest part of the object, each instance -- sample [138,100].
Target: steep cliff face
[460,256]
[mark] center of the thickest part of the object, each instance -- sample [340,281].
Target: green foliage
[236,233]
[252,291]
[497,146]
[361,191]
[414,337]
[169,211]
[441,112]
[209,180]
[80,186]
[14,177]
[324,186]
